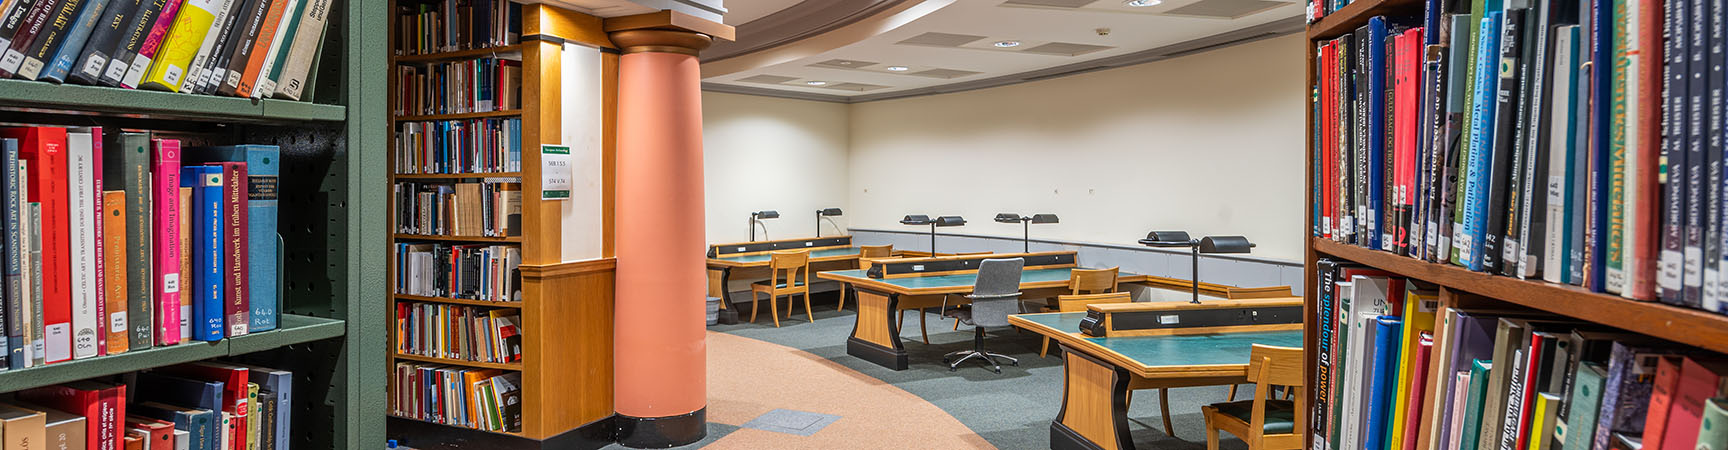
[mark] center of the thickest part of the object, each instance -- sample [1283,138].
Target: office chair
[994,296]
[1265,423]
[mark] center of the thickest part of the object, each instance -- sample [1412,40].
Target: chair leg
[808,314]
[842,306]
[755,305]
[1232,394]
[1164,411]
[774,308]
[926,331]
[1044,349]
[1211,429]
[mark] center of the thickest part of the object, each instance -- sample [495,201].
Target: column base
[662,432]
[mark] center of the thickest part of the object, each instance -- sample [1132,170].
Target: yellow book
[1544,421]
[1419,308]
[252,440]
[183,42]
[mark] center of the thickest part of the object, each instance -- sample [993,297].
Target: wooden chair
[866,252]
[1093,281]
[1265,423]
[788,275]
[1073,303]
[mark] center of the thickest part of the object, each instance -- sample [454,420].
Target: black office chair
[994,296]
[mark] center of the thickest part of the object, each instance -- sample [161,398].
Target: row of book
[452,25]
[242,48]
[484,399]
[118,241]
[1397,371]
[195,406]
[1575,141]
[459,146]
[459,87]
[487,208]
[466,333]
[462,271]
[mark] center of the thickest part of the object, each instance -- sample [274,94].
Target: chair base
[983,356]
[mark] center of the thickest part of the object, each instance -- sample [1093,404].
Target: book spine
[61,60]
[272,70]
[207,249]
[37,330]
[127,169]
[1696,161]
[1512,237]
[166,174]
[1619,116]
[189,294]
[216,67]
[16,340]
[34,21]
[114,257]
[236,252]
[200,61]
[98,276]
[80,214]
[110,25]
[1672,178]
[261,45]
[49,38]
[1502,142]
[1642,192]
[12,20]
[245,34]
[152,45]
[263,244]
[132,37]
[1475,188]
[179,44]
[310,37]
[1714,245]
[1559,194]
[1533,218]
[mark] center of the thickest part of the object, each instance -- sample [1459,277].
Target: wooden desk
[1100,371]
[749,260]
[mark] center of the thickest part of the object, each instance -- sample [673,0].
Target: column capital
[665,32]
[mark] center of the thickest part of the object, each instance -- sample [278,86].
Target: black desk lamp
[757,217]
[944,221]
[826,212]
[1026,223]
[1209,245]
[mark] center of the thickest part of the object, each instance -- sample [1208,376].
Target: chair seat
[1280,414]
[764,283]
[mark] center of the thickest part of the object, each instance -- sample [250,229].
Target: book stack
[239,48]
[484,399]
[1572,141]
[454,25]
[1397,371]
[459,87]
[459,271]
[120,241]
[476,146]
[201,406]
[466,333]
[490,208]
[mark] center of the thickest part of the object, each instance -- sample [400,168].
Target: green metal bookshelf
[334,298]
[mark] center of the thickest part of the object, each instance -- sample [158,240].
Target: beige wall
[771,153]
[1209,143]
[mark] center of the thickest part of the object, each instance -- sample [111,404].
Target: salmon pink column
[660,355]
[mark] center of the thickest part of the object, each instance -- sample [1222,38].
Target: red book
[234,389]
[1406,94]
[95,191]
[1640,262]
[45,149]
[1661,396]
[234,246]
[99,404]
[1418,390]
[1698,383]
[165,175]
[1531,366]
[161,432]
[1328,142]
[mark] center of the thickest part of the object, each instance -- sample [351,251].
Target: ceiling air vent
[843,64]
[944,73]
[856,87]
[766,79]
[934,39]
[1066,49]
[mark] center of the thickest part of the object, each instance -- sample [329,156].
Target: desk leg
[1094,411]
[876,335]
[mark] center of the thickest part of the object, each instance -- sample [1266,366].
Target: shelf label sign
[555,174]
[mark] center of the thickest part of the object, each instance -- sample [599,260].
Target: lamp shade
[915,219]
[950,221]
[766,214]
[1167,239]
[1225,244]
[1045,218]
[829,211]
[1008,218]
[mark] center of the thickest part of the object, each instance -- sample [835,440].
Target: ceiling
[938,46]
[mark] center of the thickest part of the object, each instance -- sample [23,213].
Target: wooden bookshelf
[566,302]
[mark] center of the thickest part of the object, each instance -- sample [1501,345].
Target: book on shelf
[485,399]
[457,332]
[451,25]
[459,271]
[459,146]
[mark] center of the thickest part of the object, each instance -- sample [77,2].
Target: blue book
[1558,268]
[173,390]
[280,383]
[206,278]
[60,64]
[197,423]
[1602,53]
[1383,383]
[14,208]
[1376,127]
[263,165]
[1481,142]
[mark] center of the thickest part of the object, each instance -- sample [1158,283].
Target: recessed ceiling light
[816,83]
[1142,3]
[1007,44]
[898,68]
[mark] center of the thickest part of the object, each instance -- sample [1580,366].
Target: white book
[225,439]
[182,440]
[303,50]
[1554,260]
[32,340]
[265,86]
[1629,245]
[196,70]
[81,208]
[1460,398]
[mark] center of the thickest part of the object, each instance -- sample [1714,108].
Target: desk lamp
[1026,224]
[756,218]
[1208,245]
[826,212]
[944,221]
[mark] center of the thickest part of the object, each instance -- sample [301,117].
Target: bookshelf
[1458,286]
[331,308]
[565,304]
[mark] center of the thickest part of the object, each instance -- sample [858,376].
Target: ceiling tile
[1224,9]
[1066,49]
[935,39]
[768,79]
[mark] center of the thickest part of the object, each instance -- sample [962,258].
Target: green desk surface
[957,280]
[763,257]
[1153,351]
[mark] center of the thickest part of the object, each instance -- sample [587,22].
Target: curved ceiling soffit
[801,20]
[887,16]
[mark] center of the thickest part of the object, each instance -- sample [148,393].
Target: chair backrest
[1093,281]
[876,251]
[794,264]
[996,294]
[1284,365]
[1072,303]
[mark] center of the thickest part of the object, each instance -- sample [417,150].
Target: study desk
[876,333]
[1100,371]
[749,260]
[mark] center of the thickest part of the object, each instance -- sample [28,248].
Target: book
[44,148]
[31,23]
[1585,400]
[262,163]
[208,257]
[185,239]
[52,35]
[1565,161]
[165,174]
[133,35]
[279,384]
[191,24]
[199,63]
[241,43]
[63,430]
[265,85]
[235,389]
[1713,428]
[197,423]
[1420,306]
[109,29]
[23,428]
[1501,167]
[1662,392]
[233,230]
[1542,421]
[126,168]
[308,38]
[1417,429]
[159,434]
[59,63]
[1698,381]
[215,66]
[1469,435]
[1470,232]
[96,223]
[1625,393]
[1383,369]
[153,44]
[38,344]
[114,271]
[17,314]
[261,45]
[81,210]
[97,403]
[12,18]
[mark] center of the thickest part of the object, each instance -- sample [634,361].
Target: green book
[1345,293]
[1713,431]
[1580,431]
[1479,370]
